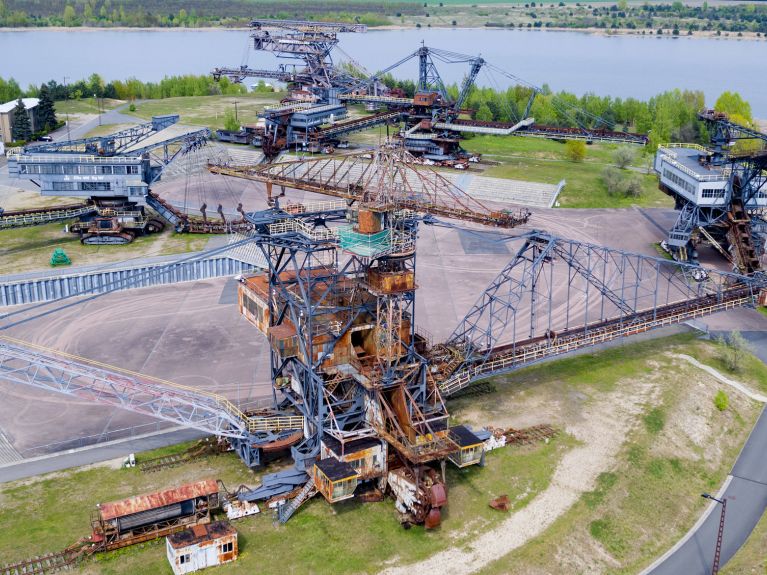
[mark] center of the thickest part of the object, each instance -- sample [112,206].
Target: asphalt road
[95,453]
[746,493]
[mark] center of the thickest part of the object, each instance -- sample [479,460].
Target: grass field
[86,105]
[542,160]
[27,249]
[352,537]
[208,110]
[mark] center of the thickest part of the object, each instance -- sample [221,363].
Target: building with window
[202,546]
[6,117]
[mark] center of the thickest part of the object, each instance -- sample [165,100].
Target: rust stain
[159,499]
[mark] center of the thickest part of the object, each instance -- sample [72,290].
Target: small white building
[6,117]
[202,546]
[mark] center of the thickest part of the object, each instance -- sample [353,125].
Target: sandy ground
[575,474]
[691,427]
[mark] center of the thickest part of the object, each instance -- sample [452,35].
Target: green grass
[86,106]
[762,310]
[56,512]
[543,160]
[30,248]
[208,110]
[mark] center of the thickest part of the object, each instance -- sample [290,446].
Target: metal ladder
[307,492]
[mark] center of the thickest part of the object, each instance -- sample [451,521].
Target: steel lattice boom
[27,364]
[388,176]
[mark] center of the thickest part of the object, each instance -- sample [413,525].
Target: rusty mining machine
[720,194]
[113,173]
[432,127]
[358,389]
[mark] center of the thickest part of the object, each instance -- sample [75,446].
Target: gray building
[6,117]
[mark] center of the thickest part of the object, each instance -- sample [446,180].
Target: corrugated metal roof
[28,103]
[159,499]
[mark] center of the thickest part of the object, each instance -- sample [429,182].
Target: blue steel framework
[739,219]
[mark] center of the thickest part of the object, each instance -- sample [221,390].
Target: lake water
[579,62]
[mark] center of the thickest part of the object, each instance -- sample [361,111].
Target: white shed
[202,546]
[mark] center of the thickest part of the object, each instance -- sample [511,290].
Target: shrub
[132,108]
[623,156]
[575,150]
[721,401]
[612,180]
[632,186]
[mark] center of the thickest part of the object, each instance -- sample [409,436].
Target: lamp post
[718,552]
[98,107]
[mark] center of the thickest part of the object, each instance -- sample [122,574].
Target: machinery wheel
[107,239]
[154,226]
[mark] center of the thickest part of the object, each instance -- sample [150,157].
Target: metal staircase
[307,492]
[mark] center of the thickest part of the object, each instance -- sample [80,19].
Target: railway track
[202,448]
[64,560]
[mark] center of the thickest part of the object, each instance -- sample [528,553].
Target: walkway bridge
[557,296]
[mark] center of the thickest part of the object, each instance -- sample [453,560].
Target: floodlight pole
[720,534]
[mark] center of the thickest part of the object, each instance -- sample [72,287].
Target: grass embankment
[86,106]
[27,249]
[542,160]
[656,480]
[208,110]
[684,446]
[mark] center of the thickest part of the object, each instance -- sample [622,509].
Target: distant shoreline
[747,36]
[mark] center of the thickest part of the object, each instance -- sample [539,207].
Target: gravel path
[575,474]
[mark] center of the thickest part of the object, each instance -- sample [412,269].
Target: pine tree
[21,130]
[46,111]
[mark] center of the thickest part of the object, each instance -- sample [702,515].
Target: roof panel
[141,503]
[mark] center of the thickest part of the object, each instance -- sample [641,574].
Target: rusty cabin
[357,349]
[145,517]
[336,480]
[201,546]
[470,446]
[366,455]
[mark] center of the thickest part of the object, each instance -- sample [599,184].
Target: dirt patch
[576,473]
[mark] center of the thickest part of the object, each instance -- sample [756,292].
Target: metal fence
[36,290]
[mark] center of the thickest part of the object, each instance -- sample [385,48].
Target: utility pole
[720,534]
[66,91]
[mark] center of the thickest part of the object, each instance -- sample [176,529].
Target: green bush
[132,107]
[575,150]
[721,401]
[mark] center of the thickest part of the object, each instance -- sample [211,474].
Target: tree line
[669,116]
[130,89]
[191,13]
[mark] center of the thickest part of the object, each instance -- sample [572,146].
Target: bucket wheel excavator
[112,173]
